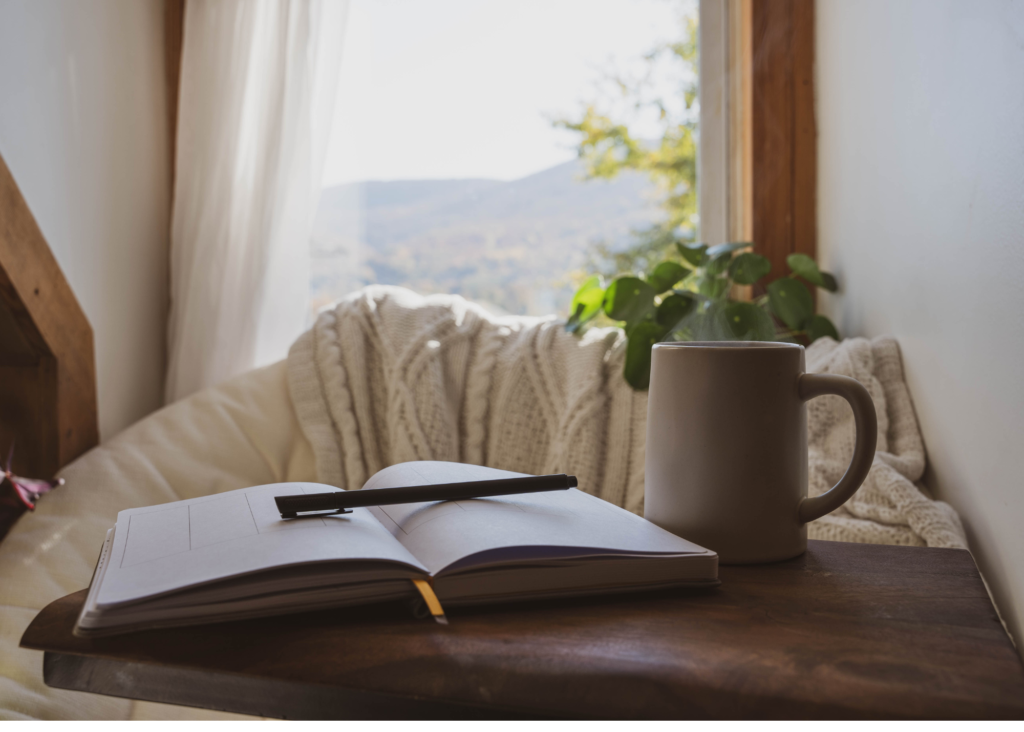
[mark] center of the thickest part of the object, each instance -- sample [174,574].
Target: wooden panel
[805,142]
[47,368]
[847,630]
[784,157]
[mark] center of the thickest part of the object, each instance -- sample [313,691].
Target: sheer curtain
[257,94]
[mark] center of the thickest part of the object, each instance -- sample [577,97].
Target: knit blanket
[388,376]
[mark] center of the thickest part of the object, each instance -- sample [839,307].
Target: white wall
[83,129]
[920,108]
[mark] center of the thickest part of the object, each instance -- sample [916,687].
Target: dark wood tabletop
[846,630]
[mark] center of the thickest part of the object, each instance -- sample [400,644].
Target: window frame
[757,157]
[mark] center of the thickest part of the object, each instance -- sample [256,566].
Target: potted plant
[691,298]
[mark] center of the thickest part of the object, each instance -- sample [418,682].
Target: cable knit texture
[891,506]
[389,376]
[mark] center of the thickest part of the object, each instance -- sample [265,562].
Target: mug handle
[813,385]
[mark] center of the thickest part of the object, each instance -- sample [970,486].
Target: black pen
[343,501]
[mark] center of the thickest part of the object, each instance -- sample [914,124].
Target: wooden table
[847,630]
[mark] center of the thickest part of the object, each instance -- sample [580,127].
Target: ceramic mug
[727,446]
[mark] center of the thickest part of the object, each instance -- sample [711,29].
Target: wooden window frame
[758,146]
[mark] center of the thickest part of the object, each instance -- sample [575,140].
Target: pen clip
[309,514]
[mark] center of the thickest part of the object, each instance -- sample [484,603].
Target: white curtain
[257,94]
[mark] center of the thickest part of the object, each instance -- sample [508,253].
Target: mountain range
[512,246]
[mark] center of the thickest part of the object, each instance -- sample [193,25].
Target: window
[448,170]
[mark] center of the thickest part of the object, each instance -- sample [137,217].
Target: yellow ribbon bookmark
[433,604]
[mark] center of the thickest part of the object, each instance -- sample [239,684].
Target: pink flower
[28,489]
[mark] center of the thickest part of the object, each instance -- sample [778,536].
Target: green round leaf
[819,326]
[665,275]
[806,267]
[586,303]
[592,283]
[729,248]
[642,338]
[717,264]
[694,255]
[712,287]
[628,299]
[748,268]
[830,283]
[673,309]
[747,322]
[791,301]
[590,296]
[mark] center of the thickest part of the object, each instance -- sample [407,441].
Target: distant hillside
[509,245]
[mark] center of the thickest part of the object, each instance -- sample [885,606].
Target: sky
[433,89]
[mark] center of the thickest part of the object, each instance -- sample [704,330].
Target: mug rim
[729,345]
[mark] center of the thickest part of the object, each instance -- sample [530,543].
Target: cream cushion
[241,433]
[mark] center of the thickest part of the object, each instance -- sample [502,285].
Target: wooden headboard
[47,366]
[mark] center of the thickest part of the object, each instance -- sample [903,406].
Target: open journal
[231,556]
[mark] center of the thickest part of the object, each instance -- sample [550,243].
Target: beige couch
[239,434]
